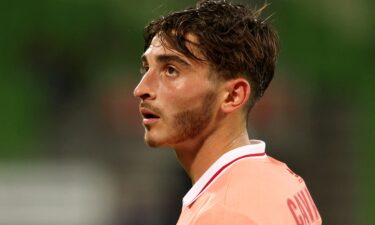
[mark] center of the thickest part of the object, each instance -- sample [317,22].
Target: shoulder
[259,185]
[256,191]
[262,174]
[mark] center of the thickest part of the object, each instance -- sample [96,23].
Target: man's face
[178,99]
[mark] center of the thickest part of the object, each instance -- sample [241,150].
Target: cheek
[184,99]
[183,94]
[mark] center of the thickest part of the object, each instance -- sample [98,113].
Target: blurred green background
[67,71]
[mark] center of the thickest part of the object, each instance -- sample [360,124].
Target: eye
[171,71]
[143,70]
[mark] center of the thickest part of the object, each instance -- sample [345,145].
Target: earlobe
[237,93]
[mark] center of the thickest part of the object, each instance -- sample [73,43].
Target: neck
[200,155]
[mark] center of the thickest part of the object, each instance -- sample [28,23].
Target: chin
[152,142]
[159,139]
[156,143]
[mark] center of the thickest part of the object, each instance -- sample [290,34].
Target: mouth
[149,116]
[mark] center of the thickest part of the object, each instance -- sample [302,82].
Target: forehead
[160,45]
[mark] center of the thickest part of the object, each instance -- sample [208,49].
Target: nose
[144,89]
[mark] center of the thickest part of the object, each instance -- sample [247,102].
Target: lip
[148,121]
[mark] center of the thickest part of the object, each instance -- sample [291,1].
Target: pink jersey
[245,186]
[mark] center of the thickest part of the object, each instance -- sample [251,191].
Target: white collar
[256,149]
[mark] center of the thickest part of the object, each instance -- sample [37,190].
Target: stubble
[188,124]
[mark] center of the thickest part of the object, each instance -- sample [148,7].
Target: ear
[237,93]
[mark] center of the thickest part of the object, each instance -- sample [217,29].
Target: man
[203,70]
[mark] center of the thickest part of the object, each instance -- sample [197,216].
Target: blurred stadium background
[71,141]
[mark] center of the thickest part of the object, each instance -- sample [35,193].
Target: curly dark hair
[231,37]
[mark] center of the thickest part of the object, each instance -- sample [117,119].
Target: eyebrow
[168,58]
